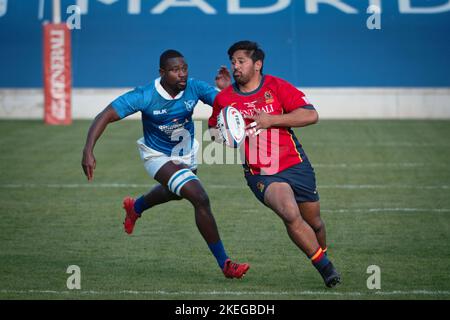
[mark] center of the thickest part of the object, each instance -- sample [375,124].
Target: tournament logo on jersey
[189,105]
[268,96]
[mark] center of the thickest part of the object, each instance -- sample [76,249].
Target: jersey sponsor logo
[159,112]
[189,105]
[251,112]
[251,104]
[168,129]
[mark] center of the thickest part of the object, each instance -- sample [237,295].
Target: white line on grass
[380,144]
[373,165]
[371,210]
[233,293]
[382,186]
[212,186]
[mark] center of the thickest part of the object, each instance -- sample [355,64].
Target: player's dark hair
[168,54]
[252,48]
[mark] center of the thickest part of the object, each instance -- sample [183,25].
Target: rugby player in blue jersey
[168,148]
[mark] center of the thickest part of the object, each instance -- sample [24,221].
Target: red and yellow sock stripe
[316,257]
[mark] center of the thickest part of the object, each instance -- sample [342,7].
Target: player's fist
[261,121]
[88,163]
[223,78]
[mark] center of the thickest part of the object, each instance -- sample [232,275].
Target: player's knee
[200,200]
[175,197]
[289,213]
[318,225]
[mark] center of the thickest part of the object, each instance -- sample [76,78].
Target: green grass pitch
[385,198]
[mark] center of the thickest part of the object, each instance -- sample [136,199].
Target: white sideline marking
[372,165]
[371,210]
[381,186]
[381,144]
[232,293]
[385,210]
[212,186]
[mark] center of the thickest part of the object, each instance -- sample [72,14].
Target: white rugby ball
[231,126]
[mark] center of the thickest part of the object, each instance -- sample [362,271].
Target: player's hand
[261,120]
[88,163]
[223,78]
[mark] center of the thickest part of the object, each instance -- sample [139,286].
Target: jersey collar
[163,91]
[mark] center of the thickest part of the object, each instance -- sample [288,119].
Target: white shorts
[154,160]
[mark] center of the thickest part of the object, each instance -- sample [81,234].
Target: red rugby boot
[131,216]
[235,270]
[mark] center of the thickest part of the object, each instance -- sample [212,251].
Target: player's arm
[299,117]
[99,124]
[297,110]
[212,123]
[125,105]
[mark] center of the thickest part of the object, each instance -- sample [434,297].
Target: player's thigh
[167,170]
[172,176]
[280,198]
[164,174]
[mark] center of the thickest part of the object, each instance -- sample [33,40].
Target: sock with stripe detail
[319,260]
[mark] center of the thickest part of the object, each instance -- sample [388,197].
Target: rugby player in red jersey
[276,167]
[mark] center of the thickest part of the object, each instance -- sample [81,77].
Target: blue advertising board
[311,43]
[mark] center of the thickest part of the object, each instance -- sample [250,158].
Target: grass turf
[384,188]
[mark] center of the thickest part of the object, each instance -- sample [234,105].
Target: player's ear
[258,66]
[162,72]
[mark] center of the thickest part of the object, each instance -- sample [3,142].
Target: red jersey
[276,148]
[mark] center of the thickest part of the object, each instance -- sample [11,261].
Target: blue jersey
[167,122]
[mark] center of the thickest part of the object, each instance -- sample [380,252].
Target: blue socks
[140,205]
[218,251]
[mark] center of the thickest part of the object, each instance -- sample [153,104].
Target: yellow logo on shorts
[260,186]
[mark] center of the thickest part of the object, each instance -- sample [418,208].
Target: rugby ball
[231,126]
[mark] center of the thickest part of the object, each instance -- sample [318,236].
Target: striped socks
[319,259]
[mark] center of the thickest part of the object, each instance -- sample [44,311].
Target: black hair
[168,54]
[252,48]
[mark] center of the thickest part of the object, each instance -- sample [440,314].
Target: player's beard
[241,79]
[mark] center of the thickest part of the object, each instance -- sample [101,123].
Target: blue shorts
[300,177]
